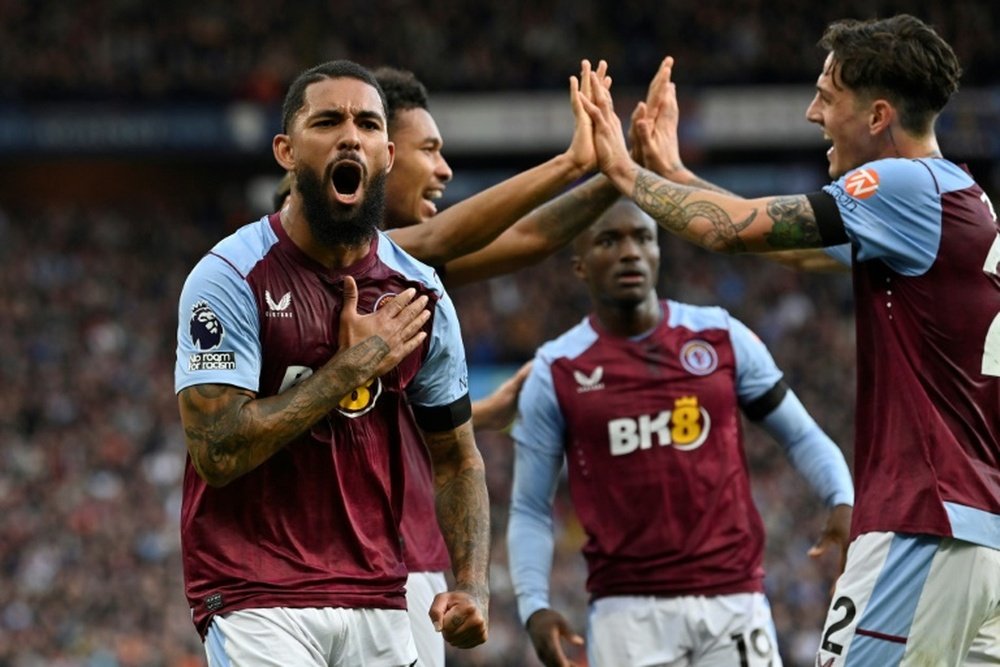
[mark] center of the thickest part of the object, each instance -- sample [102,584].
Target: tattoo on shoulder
[794,223]
[669,204]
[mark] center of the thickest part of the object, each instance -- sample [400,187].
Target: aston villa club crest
[698,357]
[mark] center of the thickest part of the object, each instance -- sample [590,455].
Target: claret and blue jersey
[650,431]
[927,291]
[258,313]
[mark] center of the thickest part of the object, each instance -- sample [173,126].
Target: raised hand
[609,142]
[653,133]
[547,629]
[581,148]
[397,324]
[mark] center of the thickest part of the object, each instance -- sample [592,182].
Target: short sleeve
[444,376]
[891,211]
[539,423]
[218,329]
[756,371]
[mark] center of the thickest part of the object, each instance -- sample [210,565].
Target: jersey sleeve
[538,459]
[756,372]
[840,253]
[218,329]
[539,421]
[811,451]
[891,211]
[443,378]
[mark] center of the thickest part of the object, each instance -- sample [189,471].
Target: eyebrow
[364,114]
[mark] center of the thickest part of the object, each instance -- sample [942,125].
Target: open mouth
[430,197]
[346,178]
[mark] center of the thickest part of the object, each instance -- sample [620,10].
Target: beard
[332,224]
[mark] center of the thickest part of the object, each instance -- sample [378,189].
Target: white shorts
[914,600]
[688,631]
[310,637]
[421,587]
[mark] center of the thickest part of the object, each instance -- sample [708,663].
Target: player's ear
[881,116]
[577,264]
[392,157]
[283,153]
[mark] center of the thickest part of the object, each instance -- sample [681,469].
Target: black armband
[443,417]
[828,220]
[765,404]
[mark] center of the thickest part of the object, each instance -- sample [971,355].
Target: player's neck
[627,320]
[332,257]
[902,144]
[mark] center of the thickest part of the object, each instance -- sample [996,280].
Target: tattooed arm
[712,219]
[463,513]
[229,431]
[536,236]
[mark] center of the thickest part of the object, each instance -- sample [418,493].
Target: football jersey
[424,548]
[317,524]
[651,434]
[927,296]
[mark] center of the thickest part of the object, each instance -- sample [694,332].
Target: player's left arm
[439,397]
[818,459]
[463,514]
[767,400]
[537,235]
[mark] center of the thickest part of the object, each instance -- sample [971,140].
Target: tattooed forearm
[794,223]
[462,505]
[230,432]
[702,184]
[677,209]
[567,215]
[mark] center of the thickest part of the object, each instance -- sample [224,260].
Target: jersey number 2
[991,347]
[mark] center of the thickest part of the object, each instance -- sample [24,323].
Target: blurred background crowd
[193,49]
[94,248]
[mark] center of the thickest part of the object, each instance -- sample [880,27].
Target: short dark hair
[334,69]
[403,91]
[901,58]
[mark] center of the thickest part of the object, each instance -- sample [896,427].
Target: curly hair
[403,91]
[900,58]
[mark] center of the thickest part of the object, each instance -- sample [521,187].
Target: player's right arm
[228,430]
[713,220]
[655,145]
[470,225]
[496,411]
[538,460]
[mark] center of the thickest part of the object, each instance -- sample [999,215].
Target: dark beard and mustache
[334,225]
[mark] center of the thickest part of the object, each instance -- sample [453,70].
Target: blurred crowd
[195,50]
[91,452]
